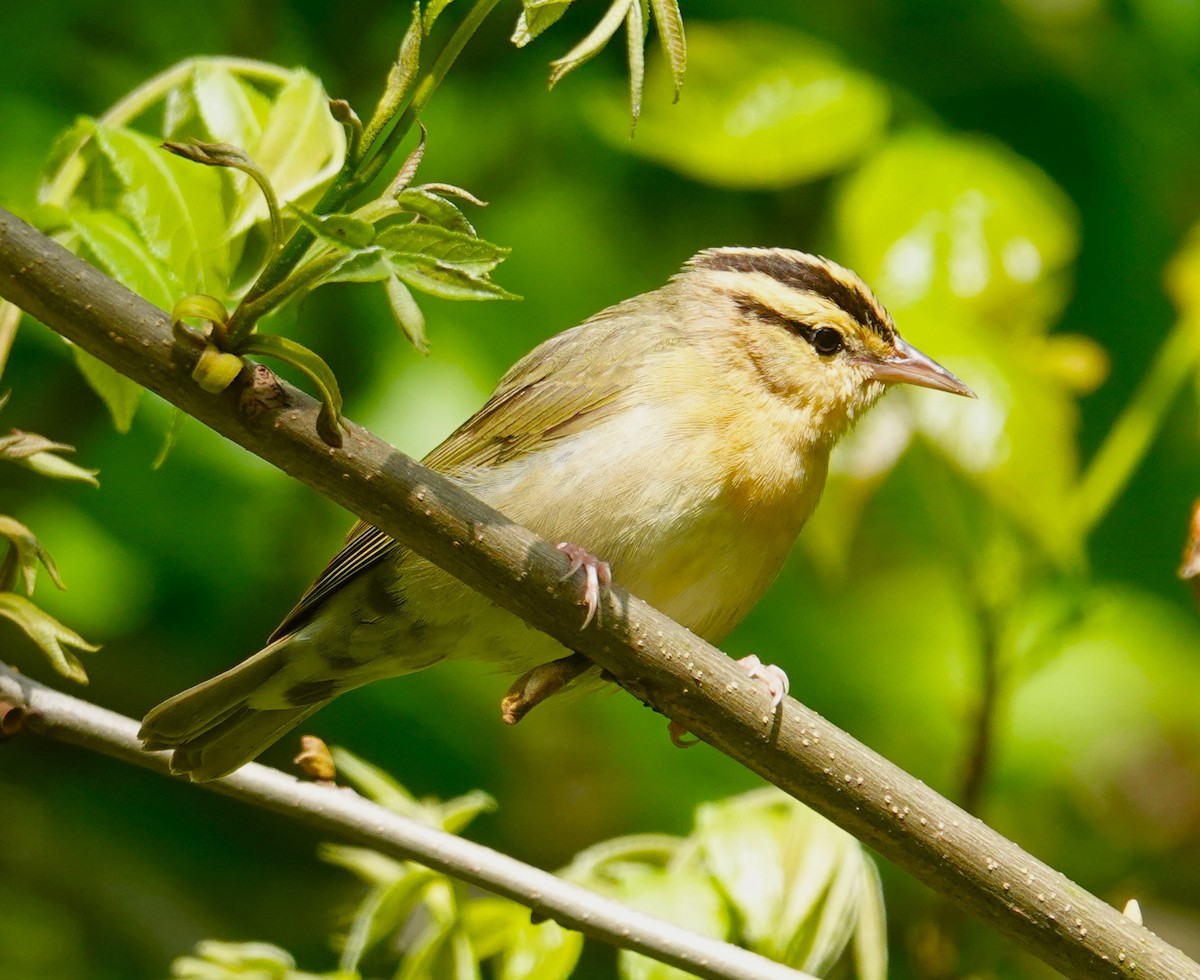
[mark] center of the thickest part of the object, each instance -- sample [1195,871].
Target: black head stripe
[806,273]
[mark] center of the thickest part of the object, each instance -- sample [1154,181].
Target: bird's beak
[909,366]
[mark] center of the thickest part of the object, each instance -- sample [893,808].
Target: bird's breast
[695,516]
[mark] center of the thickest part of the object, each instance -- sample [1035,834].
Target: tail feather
[212,726]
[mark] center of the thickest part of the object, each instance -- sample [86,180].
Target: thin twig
[647,653]
[979,755]
[346,815]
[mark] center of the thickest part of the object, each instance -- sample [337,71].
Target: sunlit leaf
[454,248]
[302,146]
[342,230]
[400,78]
[669,22]
[111,242]
[407,313]
[54,639]
[537,16]
[492,923]
[593,44]
[373,782]
[231,110]
[968,245]
[635,41]
[448,282]
[24,554]
[685,896]
[57,468]
[435,209]
[433,10]
[175,206]
[540,952]
[765,108]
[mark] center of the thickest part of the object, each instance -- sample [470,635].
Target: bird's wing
[543,397]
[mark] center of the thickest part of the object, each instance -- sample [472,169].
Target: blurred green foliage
[1012,176]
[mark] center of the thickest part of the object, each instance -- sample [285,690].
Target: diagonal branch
[348,816]
[648,654]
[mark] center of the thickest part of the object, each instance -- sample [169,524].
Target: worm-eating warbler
[682,435]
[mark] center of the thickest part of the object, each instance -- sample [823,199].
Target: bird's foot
[597,574]
[533,687]
[773,677]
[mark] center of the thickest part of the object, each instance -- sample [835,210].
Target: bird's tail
[219,725]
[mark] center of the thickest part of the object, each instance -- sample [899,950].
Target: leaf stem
[358,174]
[1128,440]
[243,319]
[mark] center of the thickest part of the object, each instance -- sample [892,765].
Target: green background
[106,871]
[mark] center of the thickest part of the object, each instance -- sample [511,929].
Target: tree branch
[648,654]
[346,815]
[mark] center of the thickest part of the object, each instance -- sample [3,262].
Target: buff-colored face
[814,332]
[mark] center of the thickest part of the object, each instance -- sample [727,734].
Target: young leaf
[57,468]
[466,252]
[175,207]
[536,17]
[669,21]
[111,242]
[545,951]
[23,555]
[409,168]
[301,148]
[399,79]
[342,230]
[635,38]
[593,44]
[407,313]
[374,783]
[55,640]
[435,209]
[433,10]
[231,111]
[433,277]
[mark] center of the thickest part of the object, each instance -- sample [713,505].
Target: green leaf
[399,80]
[373,782]
[455,814]
[669,21]
[55,640]
[684,896]
[454,248]
[536,17]
[493,923]
[968,245]
[231,110]
[290,352]
[119,394]
[362,265]
[593,44]
[433,10]
[111,242]
[301,148]
[407,313]
[57,468]
[342,230]
[545,951]
[766,108]
[384,912]
[447,282]
[635,39]
[434,209]
[175,206]
[23,556]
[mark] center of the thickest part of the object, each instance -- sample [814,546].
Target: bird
[677,441]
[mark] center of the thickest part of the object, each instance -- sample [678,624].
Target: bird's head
[811,331]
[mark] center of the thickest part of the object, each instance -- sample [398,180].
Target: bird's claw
[773,677]
[535,686]
[597,574]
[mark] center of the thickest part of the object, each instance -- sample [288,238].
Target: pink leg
[597,574]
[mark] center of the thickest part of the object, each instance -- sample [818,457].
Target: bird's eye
[827,340]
